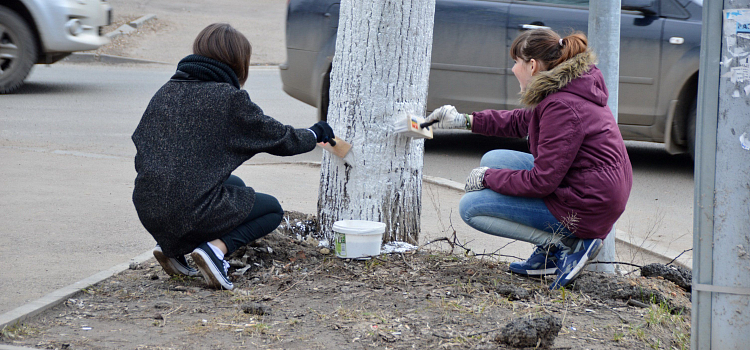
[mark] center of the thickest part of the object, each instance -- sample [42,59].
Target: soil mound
[292,294]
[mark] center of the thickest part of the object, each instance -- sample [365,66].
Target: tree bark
[380,72]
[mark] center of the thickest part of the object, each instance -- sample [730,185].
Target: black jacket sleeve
[258,132]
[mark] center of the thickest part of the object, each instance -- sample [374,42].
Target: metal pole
[604,39]
[721,226]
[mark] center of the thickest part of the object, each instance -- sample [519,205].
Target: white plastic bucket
[354,239]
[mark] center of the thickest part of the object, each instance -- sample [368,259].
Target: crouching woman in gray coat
[198,128]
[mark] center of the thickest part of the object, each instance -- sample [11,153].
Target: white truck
[46,31]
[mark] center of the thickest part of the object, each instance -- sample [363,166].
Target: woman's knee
[234,181]
[465,206]
[270,207]
[507,159]
[267,203]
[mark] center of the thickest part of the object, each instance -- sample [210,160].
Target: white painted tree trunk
[380,70]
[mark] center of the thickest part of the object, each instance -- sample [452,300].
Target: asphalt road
[66,168]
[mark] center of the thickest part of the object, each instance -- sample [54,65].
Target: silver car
[46,31]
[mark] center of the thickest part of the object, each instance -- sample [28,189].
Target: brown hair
[225,44]
[544,45]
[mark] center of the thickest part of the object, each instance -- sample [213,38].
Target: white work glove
[447,117]
[475,180]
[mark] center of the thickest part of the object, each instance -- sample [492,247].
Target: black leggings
[264,217]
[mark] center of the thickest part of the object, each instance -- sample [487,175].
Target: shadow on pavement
[36,88]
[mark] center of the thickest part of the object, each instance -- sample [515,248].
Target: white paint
[397,247]
[736,93]
[745,141]
[380,68]
[727,61]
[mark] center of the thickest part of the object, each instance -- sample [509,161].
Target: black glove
[322,131]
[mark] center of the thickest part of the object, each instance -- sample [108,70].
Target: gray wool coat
[191,137]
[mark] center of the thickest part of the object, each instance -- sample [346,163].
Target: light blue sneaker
[571,262]
[542,262]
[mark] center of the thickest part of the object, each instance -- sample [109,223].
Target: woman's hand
[322,131]
[447,117]
[475,181]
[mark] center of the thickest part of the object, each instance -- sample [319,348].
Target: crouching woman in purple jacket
[566,195]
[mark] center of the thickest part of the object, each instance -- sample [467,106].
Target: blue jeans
[522,218]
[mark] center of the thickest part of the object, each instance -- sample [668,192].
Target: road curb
[57,297]
[130,26]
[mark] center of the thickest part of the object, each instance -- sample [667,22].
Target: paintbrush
[413,126]
[339,148]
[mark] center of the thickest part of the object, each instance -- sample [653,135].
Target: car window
[564,2]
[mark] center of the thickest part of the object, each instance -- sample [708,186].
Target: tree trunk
[380,70]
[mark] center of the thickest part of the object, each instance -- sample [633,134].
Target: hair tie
[561,44]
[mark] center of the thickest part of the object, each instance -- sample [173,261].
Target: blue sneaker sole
[539,272]
[209,270]
[590,254]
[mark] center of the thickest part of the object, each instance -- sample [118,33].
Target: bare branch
[616,262]
[679,255]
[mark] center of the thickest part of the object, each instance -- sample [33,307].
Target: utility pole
[721,226]
[604,39]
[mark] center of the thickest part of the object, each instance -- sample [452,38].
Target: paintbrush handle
[427,124]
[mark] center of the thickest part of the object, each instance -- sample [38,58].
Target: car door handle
[532,26]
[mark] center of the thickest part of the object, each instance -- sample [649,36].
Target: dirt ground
[292,294]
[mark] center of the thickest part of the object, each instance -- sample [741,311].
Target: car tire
[18,51]
[690,128]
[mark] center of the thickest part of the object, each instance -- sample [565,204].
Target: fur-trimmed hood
[577,75]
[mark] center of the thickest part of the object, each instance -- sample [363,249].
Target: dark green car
[471,66]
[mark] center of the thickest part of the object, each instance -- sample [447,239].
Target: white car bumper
[71,25]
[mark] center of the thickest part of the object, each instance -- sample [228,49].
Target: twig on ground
[483,332]
[446,239]
[164,317]
[406,262]
[493,254]
[617,262]
[618,315]
[679,255]
[301,279]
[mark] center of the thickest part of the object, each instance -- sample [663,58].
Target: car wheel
[17,50]
[690,129]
